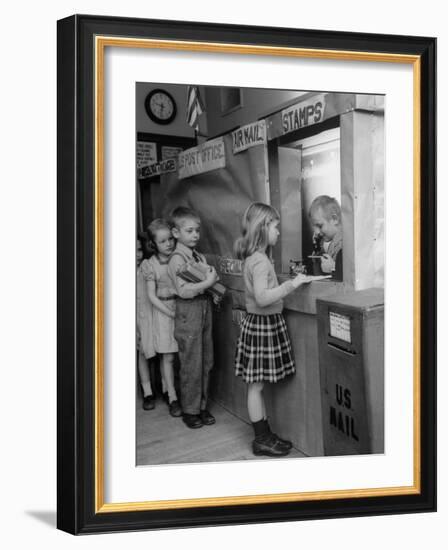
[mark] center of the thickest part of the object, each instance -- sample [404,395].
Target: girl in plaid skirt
[263,351]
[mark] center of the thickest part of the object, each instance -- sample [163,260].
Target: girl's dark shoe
[268,445]
[149,403]
[262,429]
[207,418]
[287,444]
[193,421]
[175,409]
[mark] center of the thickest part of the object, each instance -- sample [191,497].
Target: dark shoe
[207,418]
[287,444]
[149,403]
[175,409]
[193,421]
[269,446]
[263,430]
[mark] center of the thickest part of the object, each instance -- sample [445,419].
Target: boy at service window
[193,320]
[325,216]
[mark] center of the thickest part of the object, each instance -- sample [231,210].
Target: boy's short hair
[328,205]
[182,213]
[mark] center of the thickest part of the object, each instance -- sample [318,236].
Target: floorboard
[162,439]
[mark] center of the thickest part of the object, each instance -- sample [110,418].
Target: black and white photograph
[259,178]
[259,273]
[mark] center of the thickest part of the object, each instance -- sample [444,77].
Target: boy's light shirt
[183,288]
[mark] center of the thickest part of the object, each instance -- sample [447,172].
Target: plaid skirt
[263,351]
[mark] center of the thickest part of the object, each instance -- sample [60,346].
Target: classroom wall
[256,103]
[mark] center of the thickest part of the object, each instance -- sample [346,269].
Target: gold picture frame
[82,42]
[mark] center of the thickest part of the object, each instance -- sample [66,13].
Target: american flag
[195,107]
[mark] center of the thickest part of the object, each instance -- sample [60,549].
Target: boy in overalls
[193,320]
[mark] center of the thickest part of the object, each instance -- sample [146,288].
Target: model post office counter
[334,404]
[317,144]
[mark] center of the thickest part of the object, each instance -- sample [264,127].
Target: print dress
[144,318]
[163,326]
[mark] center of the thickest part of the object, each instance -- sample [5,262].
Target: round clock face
[160,106]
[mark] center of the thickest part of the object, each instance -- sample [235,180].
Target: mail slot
[351,363]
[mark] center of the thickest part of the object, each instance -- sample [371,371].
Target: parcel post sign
[304,113]
[249,136]
[204,158]
[157,168]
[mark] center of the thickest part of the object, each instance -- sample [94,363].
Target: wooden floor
[162,439]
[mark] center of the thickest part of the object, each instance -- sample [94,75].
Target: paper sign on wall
[305,113]
[249,136]
[146,153]
[197,160]
[170,152]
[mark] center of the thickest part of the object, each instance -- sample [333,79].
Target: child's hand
[300,279]
[327,263]
[305,279]
[211,276]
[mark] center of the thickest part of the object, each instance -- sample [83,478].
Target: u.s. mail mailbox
[351,349]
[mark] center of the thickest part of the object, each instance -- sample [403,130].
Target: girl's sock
[147,390]
[168,377]
[172,396]
[261,428]
[164,390]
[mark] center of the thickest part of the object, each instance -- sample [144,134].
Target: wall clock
[160,106]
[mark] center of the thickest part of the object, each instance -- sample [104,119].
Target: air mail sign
[249,136]
[303,114]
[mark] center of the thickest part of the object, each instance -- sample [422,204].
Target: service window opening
[308,168]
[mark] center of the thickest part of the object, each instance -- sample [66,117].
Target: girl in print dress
[145,340]
[162,296]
